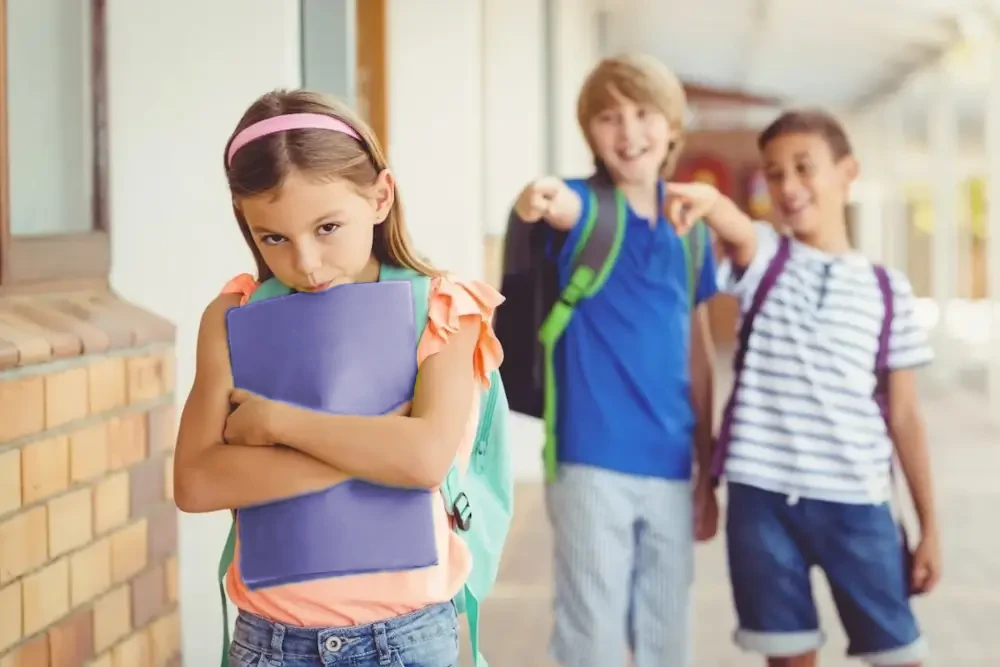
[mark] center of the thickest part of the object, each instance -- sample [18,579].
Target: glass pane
[49,124]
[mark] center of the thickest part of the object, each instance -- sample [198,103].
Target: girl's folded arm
[210,475]
[407,451]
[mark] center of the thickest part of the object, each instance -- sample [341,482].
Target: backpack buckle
[461,511]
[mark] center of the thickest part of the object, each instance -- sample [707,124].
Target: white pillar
[896,239]
[943,139]
[993,219]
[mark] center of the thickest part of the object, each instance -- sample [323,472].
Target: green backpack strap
[594,255]
[694,244]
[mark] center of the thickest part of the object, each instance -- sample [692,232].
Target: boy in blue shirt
[635,391]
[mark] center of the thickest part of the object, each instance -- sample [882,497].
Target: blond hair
[262,165]
[644,80]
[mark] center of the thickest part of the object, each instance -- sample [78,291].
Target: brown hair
[263,164]
[644,80]
[808,121]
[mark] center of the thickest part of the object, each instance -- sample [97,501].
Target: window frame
[72,260]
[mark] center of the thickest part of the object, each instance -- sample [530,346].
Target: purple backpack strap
[882,354]
[767,281]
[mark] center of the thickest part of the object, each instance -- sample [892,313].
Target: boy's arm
[906,427]
[688,202]
[549,198]
[702,389]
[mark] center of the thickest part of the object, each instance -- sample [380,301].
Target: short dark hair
[808,121]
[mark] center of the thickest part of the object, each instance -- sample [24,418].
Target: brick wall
[88,529]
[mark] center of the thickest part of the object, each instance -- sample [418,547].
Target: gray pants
[624,552]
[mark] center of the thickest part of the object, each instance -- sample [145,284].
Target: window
[53,143]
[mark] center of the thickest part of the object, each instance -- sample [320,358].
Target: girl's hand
[687,203]
[251,422]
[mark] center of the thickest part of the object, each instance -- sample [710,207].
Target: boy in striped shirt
[806,445]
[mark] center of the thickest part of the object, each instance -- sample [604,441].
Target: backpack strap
[594,255]
[694,243]
[767,281]
[882,354]
[225,560]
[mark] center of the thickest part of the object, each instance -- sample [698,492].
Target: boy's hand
[926,571]
[706,511]
[536,200]
[687,203]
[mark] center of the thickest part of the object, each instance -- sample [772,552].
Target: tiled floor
[961,619]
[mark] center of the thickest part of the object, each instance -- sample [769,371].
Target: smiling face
[315,234]
[631,138]
[808,184]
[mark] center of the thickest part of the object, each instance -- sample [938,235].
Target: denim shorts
[774,541]
[424,638]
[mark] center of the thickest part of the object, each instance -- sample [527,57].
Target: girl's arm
[906,427]
[210,475]
[415,451]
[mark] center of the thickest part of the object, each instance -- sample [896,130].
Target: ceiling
[838,54]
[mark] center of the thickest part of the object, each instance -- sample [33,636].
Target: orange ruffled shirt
[369,598]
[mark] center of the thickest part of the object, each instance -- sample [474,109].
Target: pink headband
[292,121]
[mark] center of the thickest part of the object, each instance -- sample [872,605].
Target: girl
[318,207]
[810,440]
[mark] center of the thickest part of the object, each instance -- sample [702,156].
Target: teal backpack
[480,502]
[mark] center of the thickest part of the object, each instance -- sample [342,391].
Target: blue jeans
[425,638]
[774,541]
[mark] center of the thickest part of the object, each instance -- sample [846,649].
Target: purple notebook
[348,350]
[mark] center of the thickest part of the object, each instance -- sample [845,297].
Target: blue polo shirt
[622,365]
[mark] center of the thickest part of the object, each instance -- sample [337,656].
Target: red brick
[22,407]
[149,596]
[66,397]
[10,480]
[162,428]
[162,533]
[107,384]
[126,441]
[88,452]
[44,469]
[32,654]
[146,489]
[71,642]
[112,618]
[71,521]
[24,543]
[129,551]
[46,596]
[10,615]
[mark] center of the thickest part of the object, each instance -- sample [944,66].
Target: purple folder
[348,350]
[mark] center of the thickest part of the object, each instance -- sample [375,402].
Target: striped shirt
[805,422]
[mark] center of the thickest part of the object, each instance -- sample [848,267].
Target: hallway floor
[961,619]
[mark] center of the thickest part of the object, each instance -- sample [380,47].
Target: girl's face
[316,234]
[631,139]
[808,186]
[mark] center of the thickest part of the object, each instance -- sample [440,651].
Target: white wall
[575,51]
[436,126]
[515,102]
[180,75]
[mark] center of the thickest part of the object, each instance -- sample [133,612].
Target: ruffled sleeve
[450,300]
[243,284]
